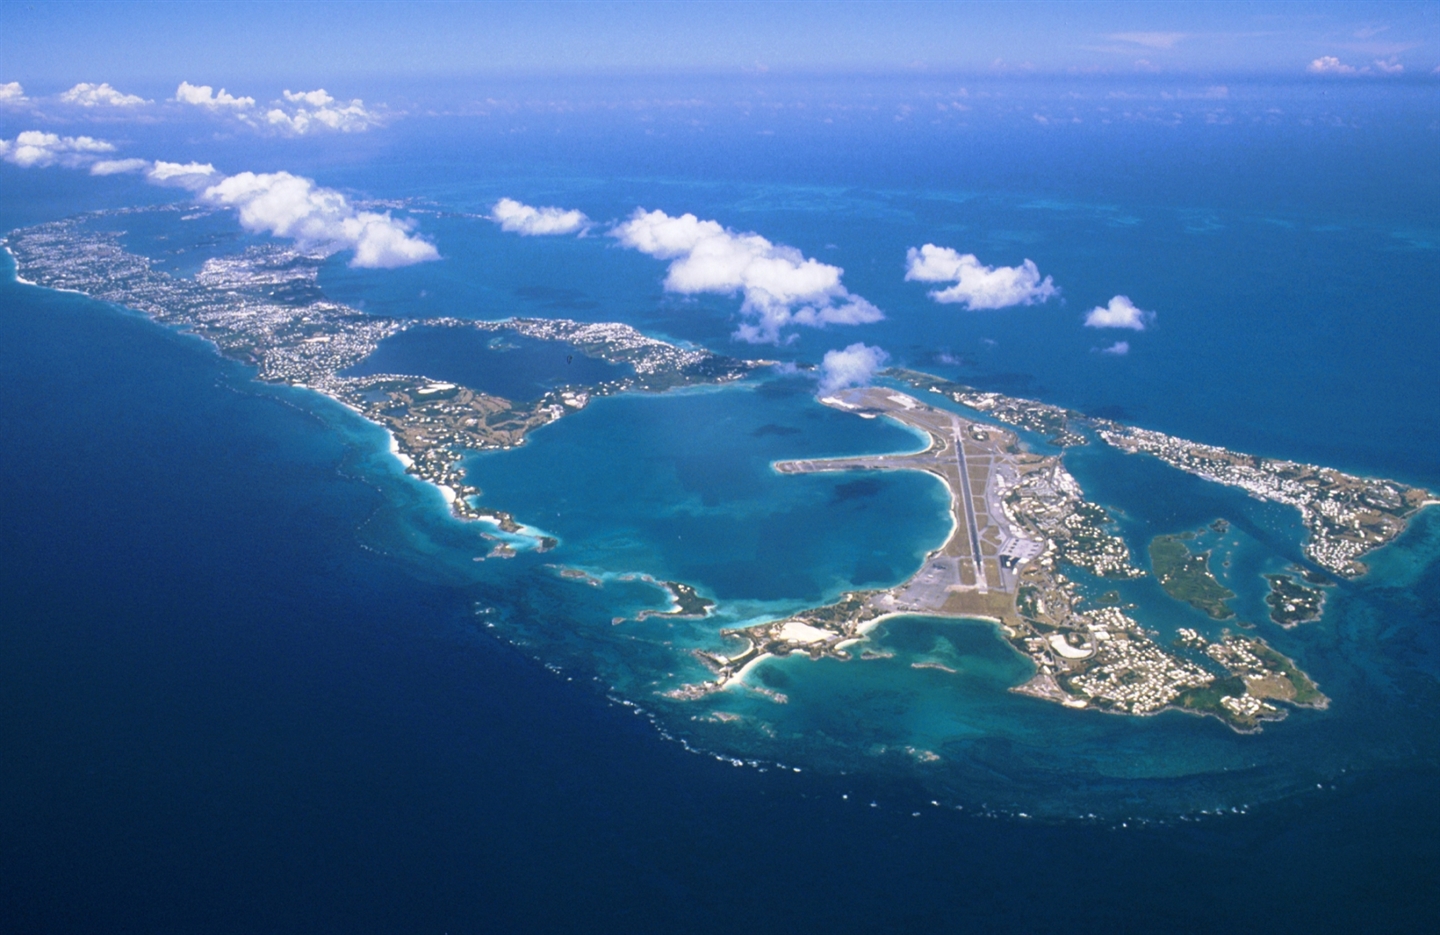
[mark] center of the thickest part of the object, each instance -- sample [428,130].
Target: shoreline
[405,460]
[864,630]
[35,285]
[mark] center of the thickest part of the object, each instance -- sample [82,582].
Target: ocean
[254,678]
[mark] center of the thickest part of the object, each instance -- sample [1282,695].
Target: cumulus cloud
[780,284]
[1118,349]
[976,285]
[318,218]
[296,113]
[191,175]
[518,218]
[277,203]
[203,95]
[119,166]
[37,148]
[317,98]
[100,95]
[12,93]
[317,110]
[1120,313]
[1391,67]
[1330,65]
[854,366]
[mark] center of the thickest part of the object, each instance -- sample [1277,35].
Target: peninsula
[1344,515]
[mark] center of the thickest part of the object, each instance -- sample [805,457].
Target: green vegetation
[691,604]
[1306,691]
[852,608]
[1207,697]
[1026,600]
[687,602]
[1292,602]
[1186,576]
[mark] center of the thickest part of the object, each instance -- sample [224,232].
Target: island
[687,603]
[1186,576]
[1293,603]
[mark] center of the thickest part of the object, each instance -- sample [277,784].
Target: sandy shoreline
[864,630]
[404,459]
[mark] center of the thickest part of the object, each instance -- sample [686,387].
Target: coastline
[1034,519]
[405,460]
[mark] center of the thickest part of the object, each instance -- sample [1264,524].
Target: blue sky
[53,45]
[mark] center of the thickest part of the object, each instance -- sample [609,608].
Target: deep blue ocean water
[249,678]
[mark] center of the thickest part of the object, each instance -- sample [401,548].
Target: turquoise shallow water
[680,486]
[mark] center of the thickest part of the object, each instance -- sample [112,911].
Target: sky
[51,46]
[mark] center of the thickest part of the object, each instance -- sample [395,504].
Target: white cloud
[1330,65]
[191,175]
[854,366]
[37,148]
[203,95]
[1118,349]
[119,166]
[316,110]
[12,93]
[277,203]
[977,285]
[781,285]
[519,218]
[318,218]
[100,95]
[316,98]
[1120,313]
